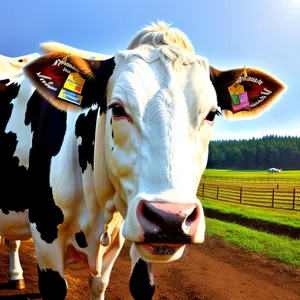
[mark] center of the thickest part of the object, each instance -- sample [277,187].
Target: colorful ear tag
[72,87]
[70,96]
[239,97]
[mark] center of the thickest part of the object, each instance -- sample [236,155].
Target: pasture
[250,173]
[272,207]
[287,177]
[255,188]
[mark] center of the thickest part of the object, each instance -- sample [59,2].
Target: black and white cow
[110,150]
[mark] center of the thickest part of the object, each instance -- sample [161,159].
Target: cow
[113,150]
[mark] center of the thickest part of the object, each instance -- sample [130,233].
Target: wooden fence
[288,198]
[272,178]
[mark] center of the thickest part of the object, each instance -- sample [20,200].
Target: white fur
[15,269]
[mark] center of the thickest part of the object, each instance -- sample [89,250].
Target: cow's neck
[97,187]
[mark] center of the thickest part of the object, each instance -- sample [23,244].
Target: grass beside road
[282,217]
[280,248]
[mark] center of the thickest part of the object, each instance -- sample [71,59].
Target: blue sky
[231,34]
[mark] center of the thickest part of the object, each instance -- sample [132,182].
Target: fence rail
[288,198]
[272,178]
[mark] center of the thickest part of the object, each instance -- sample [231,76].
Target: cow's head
[162,100]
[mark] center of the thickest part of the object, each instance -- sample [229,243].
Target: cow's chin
[160,252]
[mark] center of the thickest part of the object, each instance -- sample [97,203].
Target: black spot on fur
[94,90]
[112,134]
[52,285]
[141,282]
[7,94]
[85,128]
[12,199]
[80,239]
[110,121]
[112,149]
[48,125]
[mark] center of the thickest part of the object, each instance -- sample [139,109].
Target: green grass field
[280,248]
[258,187]
[250,173]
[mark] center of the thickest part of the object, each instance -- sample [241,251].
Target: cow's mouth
[159,251]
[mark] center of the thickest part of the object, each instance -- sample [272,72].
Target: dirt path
[211,271]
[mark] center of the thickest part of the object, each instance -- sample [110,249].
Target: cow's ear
[246,92]
[69,82]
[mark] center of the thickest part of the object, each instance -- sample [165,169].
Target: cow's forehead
[143,73]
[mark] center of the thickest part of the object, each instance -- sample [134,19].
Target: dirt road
[211,271]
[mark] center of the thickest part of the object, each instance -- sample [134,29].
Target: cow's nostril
[147,212]
[191,218]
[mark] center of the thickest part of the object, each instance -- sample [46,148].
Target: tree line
[256,153]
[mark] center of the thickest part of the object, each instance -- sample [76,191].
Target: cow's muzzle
[168,223]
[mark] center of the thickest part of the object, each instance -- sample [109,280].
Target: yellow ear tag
[235,90]
[74,83]
[72,87]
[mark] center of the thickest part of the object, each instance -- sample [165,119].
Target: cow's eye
[211,115]
[117,110]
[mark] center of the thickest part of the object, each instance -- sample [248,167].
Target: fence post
[294,198]
[241,192]
[217,192]
[203,191]
[273,197]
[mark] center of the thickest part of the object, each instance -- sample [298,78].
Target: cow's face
[159,124]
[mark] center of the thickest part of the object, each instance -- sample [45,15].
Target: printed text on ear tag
[70,96]
[74,83]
